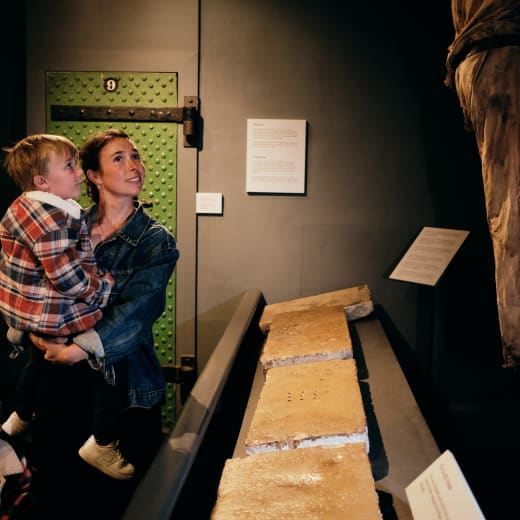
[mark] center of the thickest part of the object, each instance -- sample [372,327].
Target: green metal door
[157,142]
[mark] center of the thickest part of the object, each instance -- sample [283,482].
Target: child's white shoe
[14,425]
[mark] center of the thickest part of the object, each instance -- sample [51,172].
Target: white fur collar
[68,205]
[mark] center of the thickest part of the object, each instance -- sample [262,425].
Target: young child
[49,283]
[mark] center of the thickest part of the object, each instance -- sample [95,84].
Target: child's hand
[107,276]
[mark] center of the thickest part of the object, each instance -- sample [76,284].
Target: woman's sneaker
[107,459]
[15,425]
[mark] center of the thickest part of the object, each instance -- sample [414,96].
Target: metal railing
[232,364]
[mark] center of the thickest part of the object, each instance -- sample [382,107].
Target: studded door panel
[157,142]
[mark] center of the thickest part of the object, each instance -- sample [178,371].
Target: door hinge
[188,116]
[183,375]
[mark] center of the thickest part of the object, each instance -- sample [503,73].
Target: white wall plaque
[209,203]
[276,151]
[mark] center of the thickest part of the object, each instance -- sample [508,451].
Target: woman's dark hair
[89,155]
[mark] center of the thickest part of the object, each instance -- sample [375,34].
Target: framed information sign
[276,150]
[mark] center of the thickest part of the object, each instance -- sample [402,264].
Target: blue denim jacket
[141,257]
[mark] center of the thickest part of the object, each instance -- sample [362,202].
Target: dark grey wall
[387,155]
[367,186]
[12,86]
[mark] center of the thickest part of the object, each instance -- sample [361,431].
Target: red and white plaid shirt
[48,280]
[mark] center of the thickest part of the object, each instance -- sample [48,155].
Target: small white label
[441,492]
[209,203]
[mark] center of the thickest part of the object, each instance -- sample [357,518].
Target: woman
[140,254]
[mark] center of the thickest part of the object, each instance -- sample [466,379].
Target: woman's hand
[43,343]
[65,355]
[57,352]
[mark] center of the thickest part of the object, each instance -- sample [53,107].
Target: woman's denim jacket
[141,257]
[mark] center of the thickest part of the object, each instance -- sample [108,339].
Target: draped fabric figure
[483,66]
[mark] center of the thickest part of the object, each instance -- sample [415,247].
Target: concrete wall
[387,155]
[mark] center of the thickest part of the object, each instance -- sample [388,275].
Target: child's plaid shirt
[48,280]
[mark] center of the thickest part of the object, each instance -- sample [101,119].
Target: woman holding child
[140,254]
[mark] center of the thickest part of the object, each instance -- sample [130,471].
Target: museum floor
[474,411]
[481,426]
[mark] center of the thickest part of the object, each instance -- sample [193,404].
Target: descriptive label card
[209,203]
[441,492]
[276,151]
[429,255]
